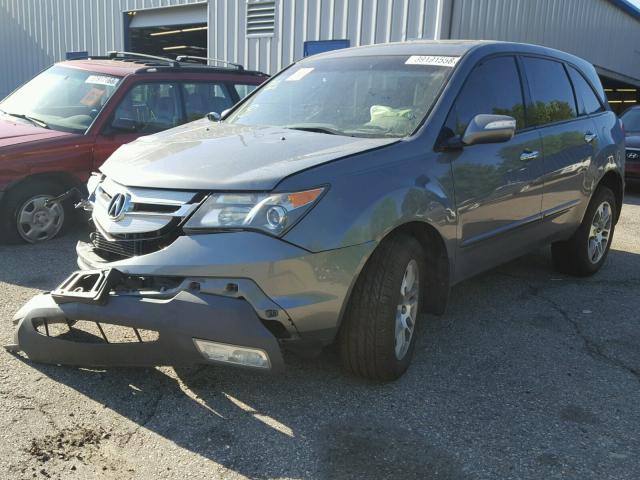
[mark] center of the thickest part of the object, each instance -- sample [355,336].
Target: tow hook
[74,194]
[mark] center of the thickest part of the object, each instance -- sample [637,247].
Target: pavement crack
[593,349]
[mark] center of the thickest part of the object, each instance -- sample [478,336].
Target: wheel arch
[614,182]
[438,266]
[64,179]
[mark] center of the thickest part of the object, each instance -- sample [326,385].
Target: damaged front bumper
[198,322]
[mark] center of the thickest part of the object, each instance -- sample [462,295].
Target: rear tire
[24,217]
[377,337]
[586,251]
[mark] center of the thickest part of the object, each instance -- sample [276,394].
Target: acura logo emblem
[118,206]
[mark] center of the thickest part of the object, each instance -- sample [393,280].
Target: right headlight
[272,213]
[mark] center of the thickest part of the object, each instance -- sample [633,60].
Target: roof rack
[181,58]
[132,55]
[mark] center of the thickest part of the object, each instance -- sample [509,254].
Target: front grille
[150,219]
[121,248]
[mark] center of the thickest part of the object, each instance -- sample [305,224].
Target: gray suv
[337,202]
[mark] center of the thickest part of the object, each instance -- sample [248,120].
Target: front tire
[586,251]
[27,218]
[377,338]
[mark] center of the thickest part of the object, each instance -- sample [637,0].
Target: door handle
[590,137]
[528,155]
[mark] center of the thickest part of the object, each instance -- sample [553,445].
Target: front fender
[372,194]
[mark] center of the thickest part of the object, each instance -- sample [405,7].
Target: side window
[552,96]
[201,98]
[588,102]
[152,106]
[243,90]
[493,88]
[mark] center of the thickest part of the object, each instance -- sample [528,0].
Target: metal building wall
[36,33]
[596,30]
[361,21]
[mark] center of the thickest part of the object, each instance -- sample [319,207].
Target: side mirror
[214,116]
[489,129]
[124,125]
[225,113]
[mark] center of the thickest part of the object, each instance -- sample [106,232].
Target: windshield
[381,96]
[61,98]
[631,120]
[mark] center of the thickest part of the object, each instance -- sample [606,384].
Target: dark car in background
[65,122]
[631,121]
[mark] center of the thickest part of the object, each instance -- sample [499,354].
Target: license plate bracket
[86,286]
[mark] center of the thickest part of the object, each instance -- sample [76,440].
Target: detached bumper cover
[177,320]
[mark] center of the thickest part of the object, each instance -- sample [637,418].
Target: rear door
[568,138]
[498,188]
[202,97]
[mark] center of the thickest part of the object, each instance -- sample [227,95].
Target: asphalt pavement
[529,375]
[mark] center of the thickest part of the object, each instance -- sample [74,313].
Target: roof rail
[181,58]
[124,55]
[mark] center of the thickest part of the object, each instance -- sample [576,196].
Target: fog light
[222,352]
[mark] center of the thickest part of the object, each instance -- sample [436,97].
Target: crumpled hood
[14,132]
[204,155]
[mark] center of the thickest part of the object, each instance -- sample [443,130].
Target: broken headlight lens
[272,213]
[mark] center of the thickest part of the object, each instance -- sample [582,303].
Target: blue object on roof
[311,47]
[76,55]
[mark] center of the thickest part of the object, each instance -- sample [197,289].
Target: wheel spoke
[33,233]
[25,216]
[39,202]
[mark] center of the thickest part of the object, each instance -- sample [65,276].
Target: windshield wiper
[33,120]
[314,128]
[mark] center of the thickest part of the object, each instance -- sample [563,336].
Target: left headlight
[272,213]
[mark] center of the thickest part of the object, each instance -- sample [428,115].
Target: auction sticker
[432,60]
[102,80]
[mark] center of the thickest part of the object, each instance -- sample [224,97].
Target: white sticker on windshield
[102,80]
[432,60]
[299,75]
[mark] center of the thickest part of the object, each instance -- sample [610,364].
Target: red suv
[66,121]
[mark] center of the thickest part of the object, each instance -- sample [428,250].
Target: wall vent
[261,17]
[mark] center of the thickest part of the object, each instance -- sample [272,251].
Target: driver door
[145,109]
[498,186]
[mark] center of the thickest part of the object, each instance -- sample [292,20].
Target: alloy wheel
[407,310]
[38,221]
[599,232]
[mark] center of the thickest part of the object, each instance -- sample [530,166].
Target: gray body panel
[373,188]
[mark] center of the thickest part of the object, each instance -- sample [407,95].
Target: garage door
[169,32]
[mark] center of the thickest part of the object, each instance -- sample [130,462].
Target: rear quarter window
[588,102]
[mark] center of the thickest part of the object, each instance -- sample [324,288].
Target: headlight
[270,212]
